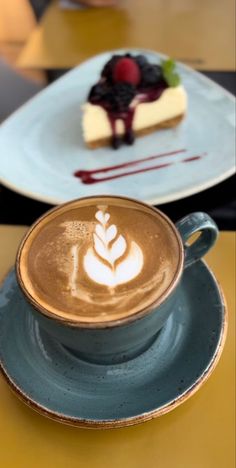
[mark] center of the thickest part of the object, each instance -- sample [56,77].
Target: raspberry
[126,70]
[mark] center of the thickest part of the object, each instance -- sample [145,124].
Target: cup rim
[112,322]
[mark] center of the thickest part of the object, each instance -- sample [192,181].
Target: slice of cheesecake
[132,98]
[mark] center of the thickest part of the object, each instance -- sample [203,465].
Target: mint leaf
[169,72]
[173,80]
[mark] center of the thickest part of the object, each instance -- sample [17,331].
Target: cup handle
[197,222]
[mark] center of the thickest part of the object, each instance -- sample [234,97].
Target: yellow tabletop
[198,434]
[198,33]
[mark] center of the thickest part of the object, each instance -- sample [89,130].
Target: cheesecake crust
[170,123]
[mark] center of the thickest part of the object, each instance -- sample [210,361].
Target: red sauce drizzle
[192,158]
[87,176]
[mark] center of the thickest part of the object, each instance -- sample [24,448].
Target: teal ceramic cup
[122,339]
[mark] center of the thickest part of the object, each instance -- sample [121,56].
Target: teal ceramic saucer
[56,383]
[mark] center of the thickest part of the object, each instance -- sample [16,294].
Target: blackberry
[97,93]
[107,71]
[151,75]
[120,96]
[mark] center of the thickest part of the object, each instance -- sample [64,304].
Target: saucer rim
[132,420]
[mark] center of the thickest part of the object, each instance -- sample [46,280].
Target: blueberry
[141,60]
[151,75]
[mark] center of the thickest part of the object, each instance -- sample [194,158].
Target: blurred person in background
[97,3]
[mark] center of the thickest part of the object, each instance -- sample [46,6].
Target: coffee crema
[99,259]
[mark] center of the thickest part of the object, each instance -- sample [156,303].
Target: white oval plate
[41,144]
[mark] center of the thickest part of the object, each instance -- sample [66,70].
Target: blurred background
[41,39]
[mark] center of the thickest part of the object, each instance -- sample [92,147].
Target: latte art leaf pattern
[103,237]
[110,246]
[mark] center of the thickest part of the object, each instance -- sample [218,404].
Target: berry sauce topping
[125,82]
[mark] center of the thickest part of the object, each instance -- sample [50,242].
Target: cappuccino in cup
[102,273]
[99,259]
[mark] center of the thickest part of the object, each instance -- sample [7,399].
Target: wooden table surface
[198,434]
[200,34]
